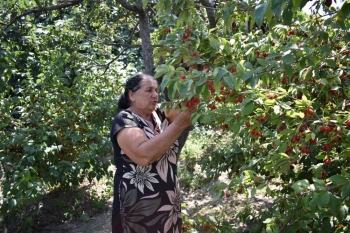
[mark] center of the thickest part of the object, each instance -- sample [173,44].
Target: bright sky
[336,3]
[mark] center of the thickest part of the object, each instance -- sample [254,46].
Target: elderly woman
[146,190]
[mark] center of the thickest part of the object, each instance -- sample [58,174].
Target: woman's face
[145,99]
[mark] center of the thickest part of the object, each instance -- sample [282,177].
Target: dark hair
[132,84]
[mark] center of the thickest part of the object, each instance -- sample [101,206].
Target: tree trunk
[147,49]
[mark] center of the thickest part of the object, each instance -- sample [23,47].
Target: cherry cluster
[192,102]
[186,36]
[255,133]
[271,96]
[210,85]
[308,112]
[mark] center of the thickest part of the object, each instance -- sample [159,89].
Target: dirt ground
[199,202]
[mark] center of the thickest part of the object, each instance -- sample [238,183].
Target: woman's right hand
[183,118]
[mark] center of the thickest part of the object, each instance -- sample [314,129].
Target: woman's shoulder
[129,119]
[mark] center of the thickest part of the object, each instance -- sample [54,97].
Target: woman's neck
[141,114]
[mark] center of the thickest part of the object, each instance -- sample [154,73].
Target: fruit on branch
[328,3]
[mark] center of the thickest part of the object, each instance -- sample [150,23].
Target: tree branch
[39,4]
[41,9]
[128,6]
[114,59]
[209,7]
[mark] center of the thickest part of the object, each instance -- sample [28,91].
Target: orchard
[284,93]
[272,76]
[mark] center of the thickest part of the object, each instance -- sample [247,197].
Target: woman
[146,191]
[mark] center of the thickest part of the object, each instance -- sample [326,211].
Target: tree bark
[147,48]
[145,33]
[210,8]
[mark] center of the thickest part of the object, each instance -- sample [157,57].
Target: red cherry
[281,127]
[227,194]
[327,147]
[167,30]
[289,149]
[247,124]
[313,140]
[328,3]
[284,80]
[233,70]
[239,191]
[310,111]
[188,30]
[322,129]
[182,76]
[348,124]
[327,161]
[234,25]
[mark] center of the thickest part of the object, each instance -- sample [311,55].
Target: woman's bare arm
[144,151]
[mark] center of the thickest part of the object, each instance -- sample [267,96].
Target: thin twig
[48,8]
[121,53]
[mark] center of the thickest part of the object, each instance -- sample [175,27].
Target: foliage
[273,76]
[60,78]
[281,87]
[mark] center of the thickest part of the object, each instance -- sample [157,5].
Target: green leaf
[144,3]
[215,43]
[323,199]
[248,108]
[289,69]
[172,88]
[218,73]
[288,58]
[230,80]
[160,70]
[205,119]
[247,75]
[331,62]
[201,81]
[196,73]
[326,49]
[338,179]
[276,6]
[345,191]
[334,204]
[254,80]
[259,13]
[344,210]
[344,11]
[185,87]
[220,186]
[301,185]
[205,92]
[288,14]
[282,148]
[198,90]
[236,127]
[164,83]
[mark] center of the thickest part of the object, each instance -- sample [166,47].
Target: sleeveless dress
[146,198]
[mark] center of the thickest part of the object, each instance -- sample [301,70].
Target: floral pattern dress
[146,198]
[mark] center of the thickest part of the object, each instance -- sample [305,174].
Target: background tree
[283,92]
